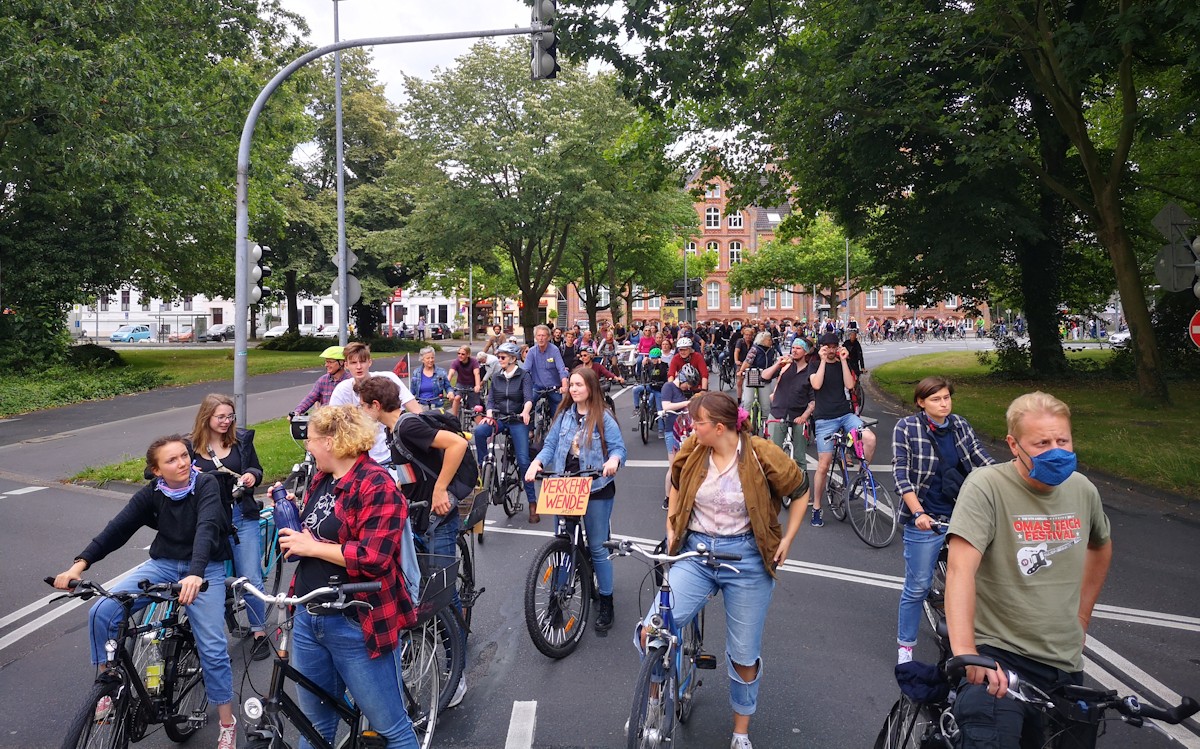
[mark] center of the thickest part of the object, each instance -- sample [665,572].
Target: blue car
[131,334]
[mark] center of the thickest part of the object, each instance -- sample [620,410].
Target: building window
[889,297]
[327,314]
[605,299]
[873,299]
[187,304]
[714,295]
[772,299]
[638,302]
[125,300]
[712,218]
[735,221]
[735,253]
[712,190]
[690,248]
[952,301]
[308,315]
[166,306]
[104,300]
[218,315]
[785,298]
[735,301]
[654,303]
[145,302]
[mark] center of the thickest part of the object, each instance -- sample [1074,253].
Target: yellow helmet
[334,352]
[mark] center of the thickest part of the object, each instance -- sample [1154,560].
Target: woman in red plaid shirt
[353,520]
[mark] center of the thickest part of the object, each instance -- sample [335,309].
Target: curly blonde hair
[352,431]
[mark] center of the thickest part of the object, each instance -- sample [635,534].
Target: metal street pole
[685,284]
[471,304]
[343,273]
[847,282]
[241,311]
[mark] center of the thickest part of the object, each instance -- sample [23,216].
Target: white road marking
[22,490]
[1183,734]
[521,725]
[33,626]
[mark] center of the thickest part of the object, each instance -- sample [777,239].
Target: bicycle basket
[439,578]
[473,509]
[300,427]
[754,378]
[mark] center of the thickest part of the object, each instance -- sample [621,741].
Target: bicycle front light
[253,708]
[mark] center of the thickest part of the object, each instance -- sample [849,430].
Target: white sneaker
[903,654]
[741,742]
[459,692]
[227,737]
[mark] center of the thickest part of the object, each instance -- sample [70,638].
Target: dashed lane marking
[521,725]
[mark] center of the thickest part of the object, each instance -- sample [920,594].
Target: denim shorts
[826,428]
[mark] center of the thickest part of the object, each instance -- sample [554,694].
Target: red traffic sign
[1194,329]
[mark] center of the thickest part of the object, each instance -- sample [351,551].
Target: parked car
[131,334]
[323,331]
[218,333]
[439,330]
[279,330]
[1117,340]
[186,336]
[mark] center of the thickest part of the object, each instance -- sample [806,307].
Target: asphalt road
[829,646]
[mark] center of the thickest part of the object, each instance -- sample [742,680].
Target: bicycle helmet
[334,352]
[656,353]
[511,349]
[688,374]
[683,343]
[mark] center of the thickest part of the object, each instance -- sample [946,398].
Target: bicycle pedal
[706,661]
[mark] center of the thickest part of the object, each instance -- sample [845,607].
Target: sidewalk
[57,443]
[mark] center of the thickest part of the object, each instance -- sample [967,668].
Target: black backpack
[468,471]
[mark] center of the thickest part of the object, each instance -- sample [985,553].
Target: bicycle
[725,374]
[868,503]
[645,409]
[142,689]
[930,723]
[422,664]
[467,398]
[665,689]
[302,474]
[543,417]
[560,585]
[498,474]
[934,604]
[788,446]
[754,380]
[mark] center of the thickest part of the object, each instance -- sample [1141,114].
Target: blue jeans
[247,563]
[826,428]
[442,540]
[747,596]
[330,651]
[921,550]
[206,613]
[655,399]
[595,524]
[518,431]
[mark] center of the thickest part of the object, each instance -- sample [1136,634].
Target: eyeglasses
[230,417]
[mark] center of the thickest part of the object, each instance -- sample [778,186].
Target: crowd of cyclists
[727,486]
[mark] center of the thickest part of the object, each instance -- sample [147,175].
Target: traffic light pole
[241,259]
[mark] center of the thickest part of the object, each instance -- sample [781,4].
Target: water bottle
[153,671]
[286,514]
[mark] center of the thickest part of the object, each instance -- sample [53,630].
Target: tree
[1015,85]
[119,126]
[518,159]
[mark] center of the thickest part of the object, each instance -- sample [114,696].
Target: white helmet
[683,343]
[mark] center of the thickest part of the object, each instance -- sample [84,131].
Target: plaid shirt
[320,392]
[914,457]
[372,512]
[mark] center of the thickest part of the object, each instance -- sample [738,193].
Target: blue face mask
[1051,467]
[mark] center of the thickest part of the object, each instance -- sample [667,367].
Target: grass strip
[1157,446]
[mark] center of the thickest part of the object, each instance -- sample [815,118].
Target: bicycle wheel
[690,646]
[651,719]
[422,676]
[836,486]
[644,419]
[109,730]
[237,616]
[511,492]
[487,479]
[185,678]
[466,580]
[272,558]
[454,653]
[907,726]
[558,597]
[872,511]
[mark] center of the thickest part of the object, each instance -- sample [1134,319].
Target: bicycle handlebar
[330,596]
[147,588]
[624,548]
[587,473]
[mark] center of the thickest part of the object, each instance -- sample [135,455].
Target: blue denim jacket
[440,377]
[562,432]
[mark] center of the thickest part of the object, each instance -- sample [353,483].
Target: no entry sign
[1194,329]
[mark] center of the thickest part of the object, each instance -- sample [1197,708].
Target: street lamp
[343,271]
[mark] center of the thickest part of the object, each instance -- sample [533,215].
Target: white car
[1117,340]
[279,330]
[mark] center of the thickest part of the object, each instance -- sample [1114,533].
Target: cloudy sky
[359,19]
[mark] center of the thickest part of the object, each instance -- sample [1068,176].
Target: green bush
[1009,361]
[61,385]
[92,356]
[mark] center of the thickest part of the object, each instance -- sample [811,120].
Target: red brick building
[735,236]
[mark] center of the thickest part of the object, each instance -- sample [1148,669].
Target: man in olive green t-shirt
[1029,551]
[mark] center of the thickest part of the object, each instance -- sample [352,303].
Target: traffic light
[544,54]
[258,272]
